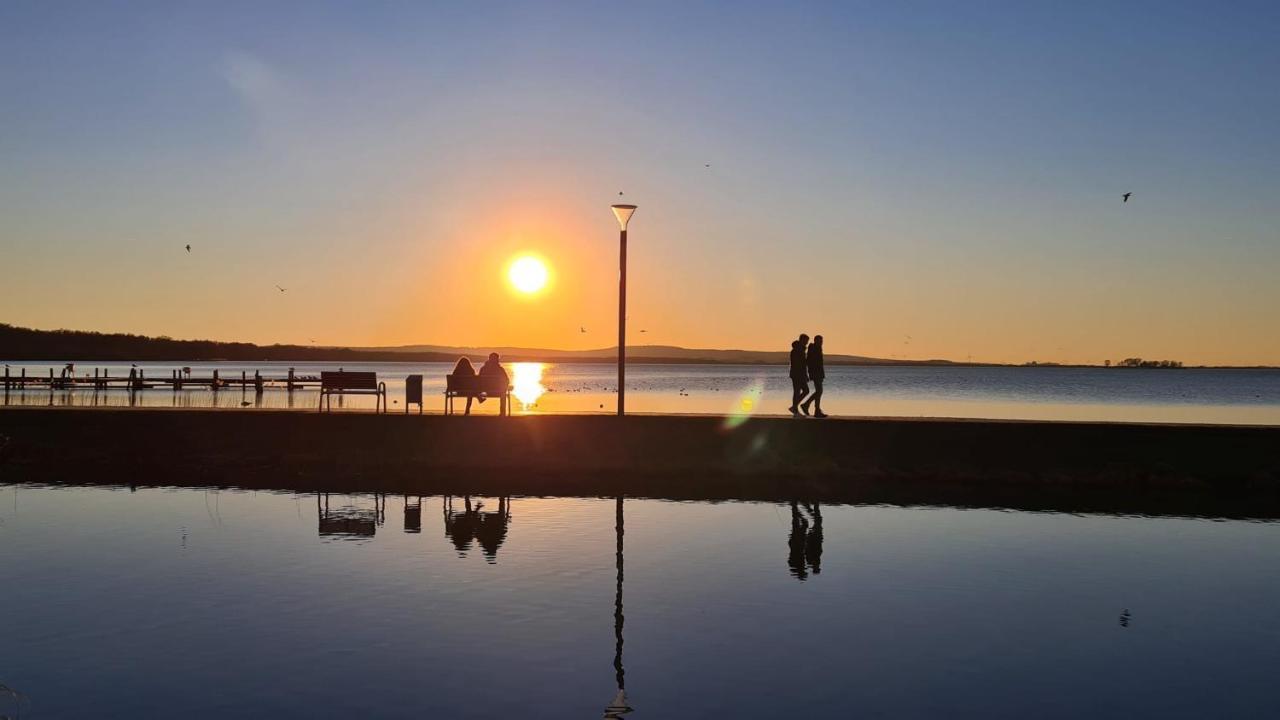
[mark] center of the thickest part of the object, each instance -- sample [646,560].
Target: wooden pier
[178,379]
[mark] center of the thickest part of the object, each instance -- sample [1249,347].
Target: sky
[909,179]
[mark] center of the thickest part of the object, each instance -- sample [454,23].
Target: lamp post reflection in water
[619,706]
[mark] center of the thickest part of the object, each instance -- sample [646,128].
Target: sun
[528,274]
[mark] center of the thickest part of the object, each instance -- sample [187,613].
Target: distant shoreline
[30,345]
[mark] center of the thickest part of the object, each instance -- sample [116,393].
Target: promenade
[1185,469]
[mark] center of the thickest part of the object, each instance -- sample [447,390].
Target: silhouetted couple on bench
[491,381]
[806,366]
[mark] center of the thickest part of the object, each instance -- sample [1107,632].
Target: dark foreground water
[195,604]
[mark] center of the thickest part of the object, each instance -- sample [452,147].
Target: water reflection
[489,529]
[1026,604]
[15,700]
[526,383]
[618,706]
[413,515]
[349,521]
[805,541]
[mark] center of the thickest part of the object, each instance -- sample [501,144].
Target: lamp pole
[623,213]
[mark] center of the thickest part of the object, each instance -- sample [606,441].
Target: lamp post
[623,213]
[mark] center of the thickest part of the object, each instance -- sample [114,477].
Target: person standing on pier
[799,374]
[817,373]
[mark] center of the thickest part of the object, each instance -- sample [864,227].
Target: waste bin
[413,392]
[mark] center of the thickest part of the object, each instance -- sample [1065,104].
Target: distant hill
[18,343]
[650,353]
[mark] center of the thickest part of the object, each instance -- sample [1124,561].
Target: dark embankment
[1082,467]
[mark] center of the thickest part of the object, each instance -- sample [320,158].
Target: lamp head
[623,213]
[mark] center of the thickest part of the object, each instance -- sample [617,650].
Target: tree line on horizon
[1136,362]
[18,343]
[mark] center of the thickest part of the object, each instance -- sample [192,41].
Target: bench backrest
[472,384]
[348,381]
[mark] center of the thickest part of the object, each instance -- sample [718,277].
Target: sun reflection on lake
[526,382]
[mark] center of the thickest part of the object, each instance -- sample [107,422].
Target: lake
[1044,393]
[212,604]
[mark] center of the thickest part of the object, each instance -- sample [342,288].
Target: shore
[1110,467]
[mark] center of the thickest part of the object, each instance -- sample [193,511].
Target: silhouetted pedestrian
[799,374]
[814,364]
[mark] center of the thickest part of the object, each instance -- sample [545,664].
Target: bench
[351,383]
[494,386]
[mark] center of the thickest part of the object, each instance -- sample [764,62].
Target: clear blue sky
[948,171]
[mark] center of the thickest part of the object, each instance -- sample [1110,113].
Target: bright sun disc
[528,274]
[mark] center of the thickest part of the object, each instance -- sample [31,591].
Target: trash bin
[413,392]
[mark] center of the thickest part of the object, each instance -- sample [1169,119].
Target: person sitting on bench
[493,368]
[464,368]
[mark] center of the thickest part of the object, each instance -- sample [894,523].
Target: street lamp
[623,213]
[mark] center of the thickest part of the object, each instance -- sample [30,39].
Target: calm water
[187,603]
[1214,396]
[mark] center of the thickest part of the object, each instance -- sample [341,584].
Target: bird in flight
[1126,196]
[280,288]
[644,331]
[581,329]
[708,165]
[188,247]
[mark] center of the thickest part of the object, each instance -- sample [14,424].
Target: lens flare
[745,406]
[526,382]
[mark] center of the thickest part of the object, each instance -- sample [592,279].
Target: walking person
[813,363]
[799,374]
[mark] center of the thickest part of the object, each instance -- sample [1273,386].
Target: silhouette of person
[491,530]
[460,527]
[464,368]
[813,363]
[813,541]
[472,525]
[796,543]
[493,368]
[799,374]
[804,544]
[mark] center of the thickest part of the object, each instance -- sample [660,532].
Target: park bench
[475,386]
[351,383]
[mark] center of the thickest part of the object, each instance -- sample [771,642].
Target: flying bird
[188,247]
[644,331]
[280,288]
[581,329]
[708,165]
[1126,196]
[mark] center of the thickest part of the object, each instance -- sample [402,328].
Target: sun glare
[526,382]
[528,274]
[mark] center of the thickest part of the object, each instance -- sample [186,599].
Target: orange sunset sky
[871,177]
